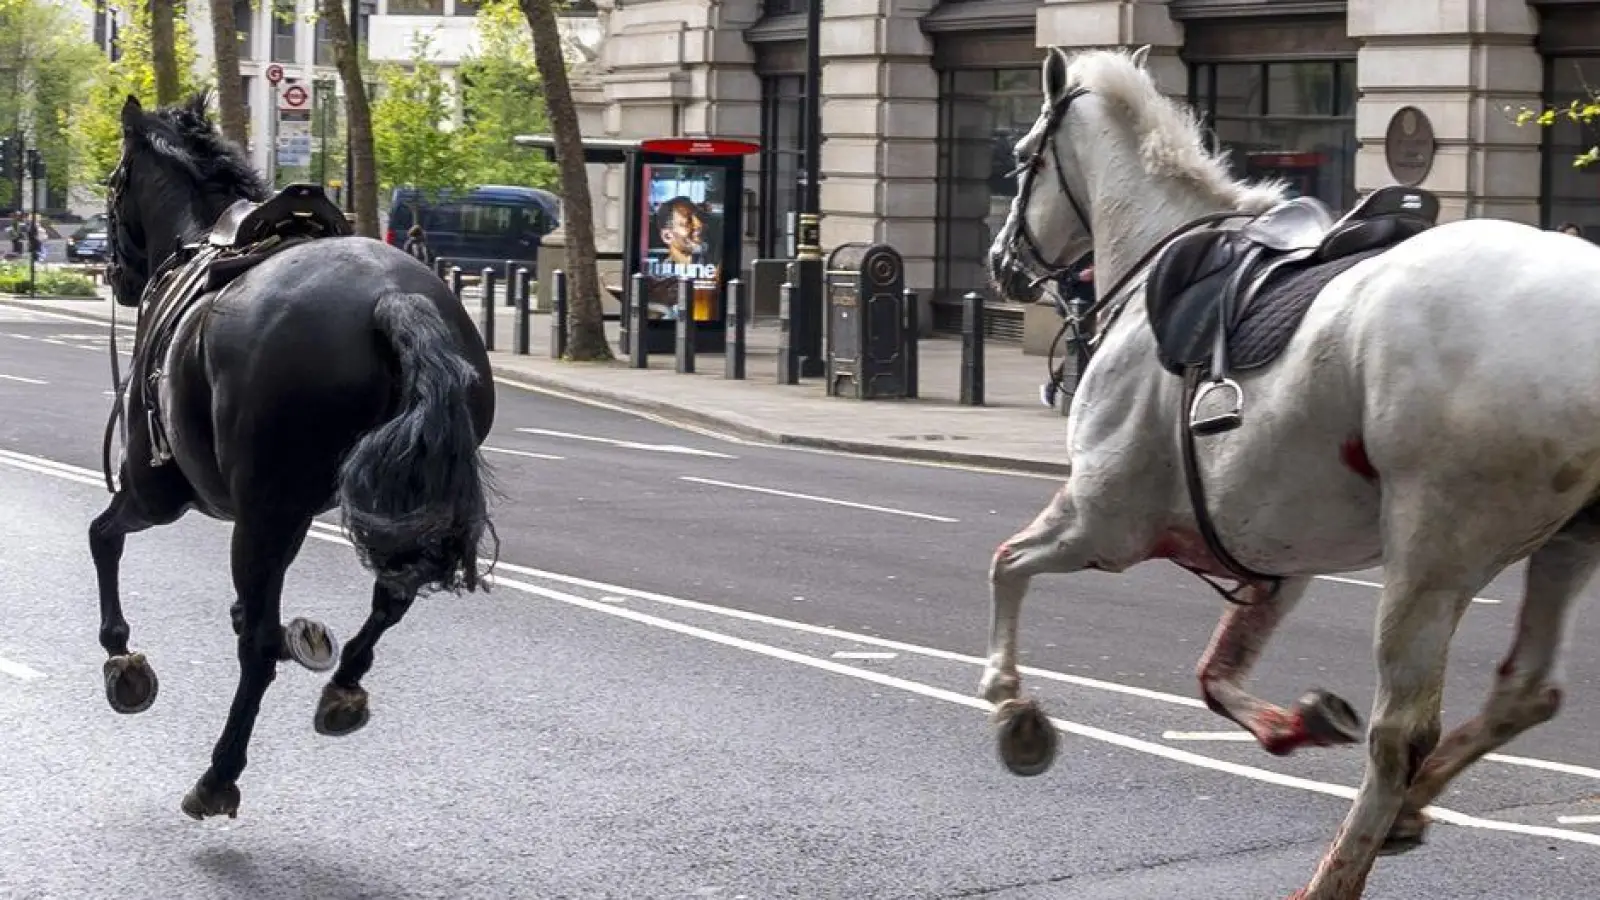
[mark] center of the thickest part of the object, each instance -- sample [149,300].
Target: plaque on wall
[1409,146]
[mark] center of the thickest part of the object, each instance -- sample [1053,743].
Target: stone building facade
[922,100]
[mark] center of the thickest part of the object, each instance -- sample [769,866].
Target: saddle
[243,237]
[1214,293]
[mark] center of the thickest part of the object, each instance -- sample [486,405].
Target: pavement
[1011,431]
[710,667]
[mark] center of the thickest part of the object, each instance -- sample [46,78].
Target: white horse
[1436,411]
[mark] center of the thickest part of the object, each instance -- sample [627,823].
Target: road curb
[738,427]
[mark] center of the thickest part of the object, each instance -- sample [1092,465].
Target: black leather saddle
[1206,281]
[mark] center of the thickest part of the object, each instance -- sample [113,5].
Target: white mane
[1170,137]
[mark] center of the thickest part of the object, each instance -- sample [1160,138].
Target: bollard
[972,349]
[441,268]
[733,344]
[521,341]
[912,337]
[486,306]
[455,284]
[788,347]
[639,311]
[685,347]
[558,314]
[510,276]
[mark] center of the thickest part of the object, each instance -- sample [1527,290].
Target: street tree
[1583,112]
[44,63]
[164,48]
[413,145]
[358,118]
[230,89]
[586,337]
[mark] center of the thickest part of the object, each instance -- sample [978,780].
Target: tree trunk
[230,90]
[164,51]
[358,119]
[587,328]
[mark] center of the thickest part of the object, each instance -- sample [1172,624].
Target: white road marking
[1439,814]
[863,654]
[22,379]
[629,445]
[812,497]
[327,531]
[75,318]
[1207,736]
[1578,820]
[18,670]
[1379,585]
[528,453]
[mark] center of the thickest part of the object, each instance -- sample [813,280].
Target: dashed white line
[18,670]
[1241,736]
[1340,579]
[629,445]
[528,453]
[815,499]
[863,654]
[1578,820]
[22,379]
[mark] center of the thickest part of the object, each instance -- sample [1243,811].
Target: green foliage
[1584,113]
[411,133]
[45,60]
[95,124]
[503,97]
[55,282]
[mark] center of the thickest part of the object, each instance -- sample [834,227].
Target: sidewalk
[1011,431]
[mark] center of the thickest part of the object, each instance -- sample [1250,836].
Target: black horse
[325,371]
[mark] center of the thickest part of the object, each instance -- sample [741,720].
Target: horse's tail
[413,490]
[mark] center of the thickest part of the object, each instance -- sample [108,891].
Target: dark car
[88,242]
[482,227]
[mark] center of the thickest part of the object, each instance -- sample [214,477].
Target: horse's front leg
[130,682]
[343,708]
[262,551]
[1317,719]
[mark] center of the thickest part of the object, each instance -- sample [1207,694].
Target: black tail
[413,489]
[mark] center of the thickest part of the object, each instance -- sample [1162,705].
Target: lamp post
[349,145]
[808,238]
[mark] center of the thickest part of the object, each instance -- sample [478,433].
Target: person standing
[416,246]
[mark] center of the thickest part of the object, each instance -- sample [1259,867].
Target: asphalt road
[708,669]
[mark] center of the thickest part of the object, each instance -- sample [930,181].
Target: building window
[782,158]
[324,46]
[1290,120]
[284,26]
[983,113]
[1570,194]
[466,8]
[244,24]
[416,7]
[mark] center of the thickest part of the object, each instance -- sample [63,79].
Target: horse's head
[176,175]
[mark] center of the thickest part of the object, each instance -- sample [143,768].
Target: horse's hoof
[1327,719]
[131,684]
[341,711]
[1409,831]
[202,801]
[310,644]
[997,688]
[1027,740]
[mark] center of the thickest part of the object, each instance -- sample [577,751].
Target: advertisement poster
[682,223]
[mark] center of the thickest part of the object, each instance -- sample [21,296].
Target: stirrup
[1221,422]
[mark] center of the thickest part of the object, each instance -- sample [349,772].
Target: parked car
[483,227]
[89,242]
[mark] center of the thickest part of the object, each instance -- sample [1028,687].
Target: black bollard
[685,345]
[510,276]
[788,347]
[522,340]
[486,306]
[558,314]
[912,337]
[639,313]
[441,267]
[972,349]
[733,343]
[455,284]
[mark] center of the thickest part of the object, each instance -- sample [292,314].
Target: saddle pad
[1278,308]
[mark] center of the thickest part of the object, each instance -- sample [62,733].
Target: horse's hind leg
[343,707]
[262,550]
[1527,689]
[130,682]
[1317,719]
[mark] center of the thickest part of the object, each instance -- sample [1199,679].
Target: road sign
[294,97]
[274,73]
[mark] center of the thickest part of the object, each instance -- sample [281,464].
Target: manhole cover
[928,437]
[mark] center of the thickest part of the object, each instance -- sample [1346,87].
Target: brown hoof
[201,801]
[341,711]
[1409,831]
[1027,740]
[131,684]
[310,644]
[1328,719]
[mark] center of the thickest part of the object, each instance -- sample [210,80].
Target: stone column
[880,127]
[1081,24]
[1461,62]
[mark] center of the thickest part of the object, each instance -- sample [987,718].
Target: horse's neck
[190,222]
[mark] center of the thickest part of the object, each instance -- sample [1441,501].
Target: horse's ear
[131,112]
[1141,56]
[1055,75]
